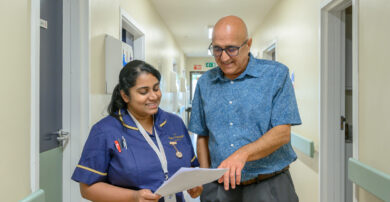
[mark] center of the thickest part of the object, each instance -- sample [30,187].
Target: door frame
[332,146]
[273,46]
[76,97]
[34,88]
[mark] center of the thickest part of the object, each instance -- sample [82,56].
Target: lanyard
[159,151]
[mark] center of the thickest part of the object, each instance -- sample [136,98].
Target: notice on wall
[292,77]
[197,67]
[211,64]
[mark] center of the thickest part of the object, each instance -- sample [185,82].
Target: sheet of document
[187,178]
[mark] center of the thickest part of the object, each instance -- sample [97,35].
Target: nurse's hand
[195,192]
[234,163]
[144,195]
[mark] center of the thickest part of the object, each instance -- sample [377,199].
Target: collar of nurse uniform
[124,116]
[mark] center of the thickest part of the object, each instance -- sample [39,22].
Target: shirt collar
[250,70]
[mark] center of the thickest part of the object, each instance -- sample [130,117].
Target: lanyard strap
[159,151]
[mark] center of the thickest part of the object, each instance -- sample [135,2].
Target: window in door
[194,76]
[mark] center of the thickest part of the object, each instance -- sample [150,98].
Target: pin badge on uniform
[124,142]
[178,153]
[118,146]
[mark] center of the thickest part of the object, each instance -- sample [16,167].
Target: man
[242,112]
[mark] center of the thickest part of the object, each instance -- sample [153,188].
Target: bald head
[231,46]
[230,26]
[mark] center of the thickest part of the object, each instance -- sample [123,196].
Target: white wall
[374,95]
[294,25]
[191,61]
[15,99]
[160,48]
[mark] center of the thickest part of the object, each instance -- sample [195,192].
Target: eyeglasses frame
[227,52]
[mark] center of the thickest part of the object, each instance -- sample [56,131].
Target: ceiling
[189,20]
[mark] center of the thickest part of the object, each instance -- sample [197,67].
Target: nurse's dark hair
[127,79]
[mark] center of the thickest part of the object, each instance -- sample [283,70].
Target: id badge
[170,198]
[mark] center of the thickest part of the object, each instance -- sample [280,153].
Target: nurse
[131,152]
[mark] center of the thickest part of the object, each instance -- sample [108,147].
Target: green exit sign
[210,64]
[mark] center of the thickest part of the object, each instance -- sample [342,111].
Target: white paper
[187,178]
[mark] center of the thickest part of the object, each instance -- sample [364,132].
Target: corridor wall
[161,49]
[294,26]
[191,61]
[15,99]
[374,95]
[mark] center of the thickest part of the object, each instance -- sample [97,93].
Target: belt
[263,177]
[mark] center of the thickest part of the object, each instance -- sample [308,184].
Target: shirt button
[230,102]
[232,145]
[231,82]
[231,123]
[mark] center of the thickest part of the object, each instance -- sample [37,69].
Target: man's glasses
[232,51]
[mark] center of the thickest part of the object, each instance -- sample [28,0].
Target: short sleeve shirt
[234,113]
[117,153]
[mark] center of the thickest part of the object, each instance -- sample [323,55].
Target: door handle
[62,135]
[342,121]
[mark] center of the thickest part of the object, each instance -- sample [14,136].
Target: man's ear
[249,43]
[124,96]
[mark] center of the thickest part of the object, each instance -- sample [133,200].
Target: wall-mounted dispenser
[117,54]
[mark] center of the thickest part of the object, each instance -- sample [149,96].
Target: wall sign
[197,67]
[210,64]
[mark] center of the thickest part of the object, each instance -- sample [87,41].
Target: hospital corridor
[61,59]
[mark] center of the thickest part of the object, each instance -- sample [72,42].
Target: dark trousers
[279,188]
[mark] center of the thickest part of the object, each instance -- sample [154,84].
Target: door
[336,100]
[348,101]
[346,98]
[50,88]
[346,93]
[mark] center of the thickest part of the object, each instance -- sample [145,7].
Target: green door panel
[50,174]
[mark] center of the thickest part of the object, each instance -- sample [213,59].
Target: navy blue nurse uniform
[117,153]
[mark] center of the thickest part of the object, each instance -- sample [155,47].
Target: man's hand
[234,163]
[195,192]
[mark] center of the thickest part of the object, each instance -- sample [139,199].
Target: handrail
[370,179]
[303,144]
[38,196]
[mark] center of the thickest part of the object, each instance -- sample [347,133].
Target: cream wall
[374,95]
[160,48]
[15,100]
[191,61]
[294,25]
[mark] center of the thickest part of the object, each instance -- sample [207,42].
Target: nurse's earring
[178,153]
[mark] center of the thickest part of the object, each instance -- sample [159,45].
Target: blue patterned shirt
[234,113]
